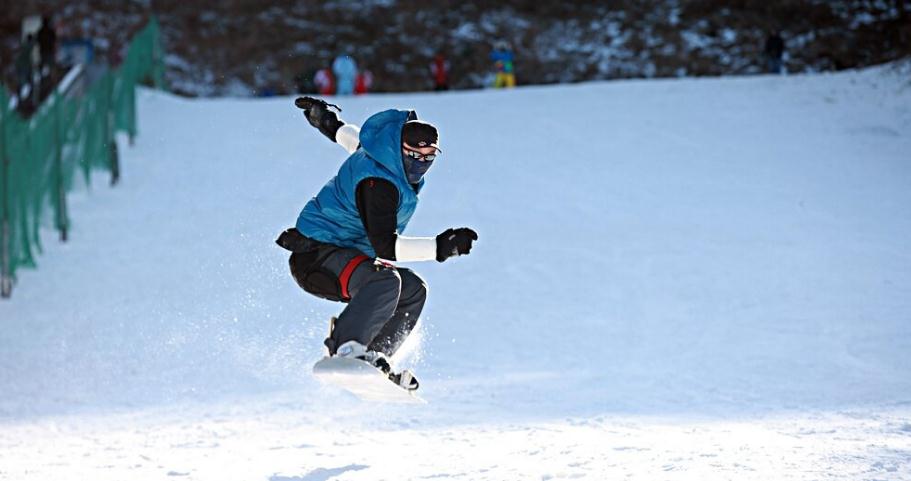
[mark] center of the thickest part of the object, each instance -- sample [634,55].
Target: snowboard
[362,380]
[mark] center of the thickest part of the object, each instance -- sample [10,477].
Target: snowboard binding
[405,380]
[355,350]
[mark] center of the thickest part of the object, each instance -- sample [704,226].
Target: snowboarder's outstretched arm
[377,203]
[319,114]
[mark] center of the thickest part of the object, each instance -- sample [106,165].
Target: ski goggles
[414,154]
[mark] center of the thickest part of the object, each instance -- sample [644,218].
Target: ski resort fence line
[70,134]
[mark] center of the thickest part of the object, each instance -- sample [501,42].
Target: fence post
[6,262]
[109,130]
[62,217]
[157,54]
[6,276]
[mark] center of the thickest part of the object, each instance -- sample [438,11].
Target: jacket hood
[381,138]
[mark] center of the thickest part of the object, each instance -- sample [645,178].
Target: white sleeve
[348,136]
[408,249]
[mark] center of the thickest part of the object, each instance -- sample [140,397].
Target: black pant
[384,301]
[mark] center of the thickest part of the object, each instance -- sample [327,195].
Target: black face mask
[415,169]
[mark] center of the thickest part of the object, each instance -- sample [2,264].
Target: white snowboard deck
[362,380]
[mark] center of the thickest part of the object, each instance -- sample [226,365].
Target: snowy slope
[688,279]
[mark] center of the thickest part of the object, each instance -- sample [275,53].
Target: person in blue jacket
[504,65]
[348,236]
[345,69]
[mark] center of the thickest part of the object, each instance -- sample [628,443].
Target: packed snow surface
[681,279]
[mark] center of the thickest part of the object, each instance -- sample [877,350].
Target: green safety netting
[68,135]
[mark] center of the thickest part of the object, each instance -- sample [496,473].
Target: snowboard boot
[356,350]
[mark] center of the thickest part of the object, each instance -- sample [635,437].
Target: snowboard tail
[362,380]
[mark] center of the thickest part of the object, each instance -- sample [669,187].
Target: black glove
[318,114]
[455,242]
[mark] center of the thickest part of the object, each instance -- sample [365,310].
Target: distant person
[324,81]
[774,51]
[504,67]
[439,69]
[115,55]
[47,45]
[24,65]
[345,70]
[364,82]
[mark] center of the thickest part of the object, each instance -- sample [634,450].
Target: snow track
[690,279]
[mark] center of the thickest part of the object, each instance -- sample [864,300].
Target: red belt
[345,276]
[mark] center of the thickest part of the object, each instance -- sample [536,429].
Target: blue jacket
[503,60]
[345,70]
[332,216]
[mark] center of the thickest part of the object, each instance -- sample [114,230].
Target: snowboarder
[347,236]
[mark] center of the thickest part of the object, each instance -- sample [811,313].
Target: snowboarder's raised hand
[319,115]
[455,242]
